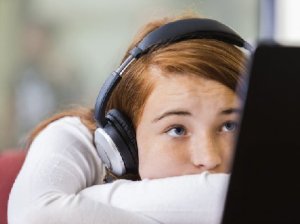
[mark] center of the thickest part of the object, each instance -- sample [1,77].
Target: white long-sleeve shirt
[61,181]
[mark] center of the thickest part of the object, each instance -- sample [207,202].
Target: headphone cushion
[125,128]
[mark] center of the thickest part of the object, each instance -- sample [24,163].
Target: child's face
[188,126]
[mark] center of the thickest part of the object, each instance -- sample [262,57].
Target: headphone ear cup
[124,130]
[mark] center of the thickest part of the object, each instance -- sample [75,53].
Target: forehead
[184,84]
[187,91]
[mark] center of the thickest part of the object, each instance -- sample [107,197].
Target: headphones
[115,136]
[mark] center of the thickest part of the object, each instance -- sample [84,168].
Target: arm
[61,162]
[185,199]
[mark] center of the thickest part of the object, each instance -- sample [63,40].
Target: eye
[229,126]
[176,131]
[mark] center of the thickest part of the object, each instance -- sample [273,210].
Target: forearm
[75,209]
[186,199]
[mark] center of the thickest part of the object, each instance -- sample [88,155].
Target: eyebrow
[187,113]
[172,113]
[231,111]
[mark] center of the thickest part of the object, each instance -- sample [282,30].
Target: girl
[179,94]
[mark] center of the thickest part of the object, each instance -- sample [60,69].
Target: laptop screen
[265,181]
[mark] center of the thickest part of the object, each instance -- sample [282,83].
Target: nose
[205,154]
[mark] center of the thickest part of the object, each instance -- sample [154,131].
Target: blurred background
[57,53]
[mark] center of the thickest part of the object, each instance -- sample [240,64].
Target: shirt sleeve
[61,162]
[186,199]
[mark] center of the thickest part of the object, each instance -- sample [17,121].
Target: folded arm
[185,199]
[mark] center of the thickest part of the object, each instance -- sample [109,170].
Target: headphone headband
[189,29]
[169,33]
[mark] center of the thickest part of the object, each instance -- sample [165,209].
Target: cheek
[228,147]
[151,159]
[157,159]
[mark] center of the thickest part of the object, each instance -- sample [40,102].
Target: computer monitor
[265,182]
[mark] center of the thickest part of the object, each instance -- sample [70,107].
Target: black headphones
[115,136]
